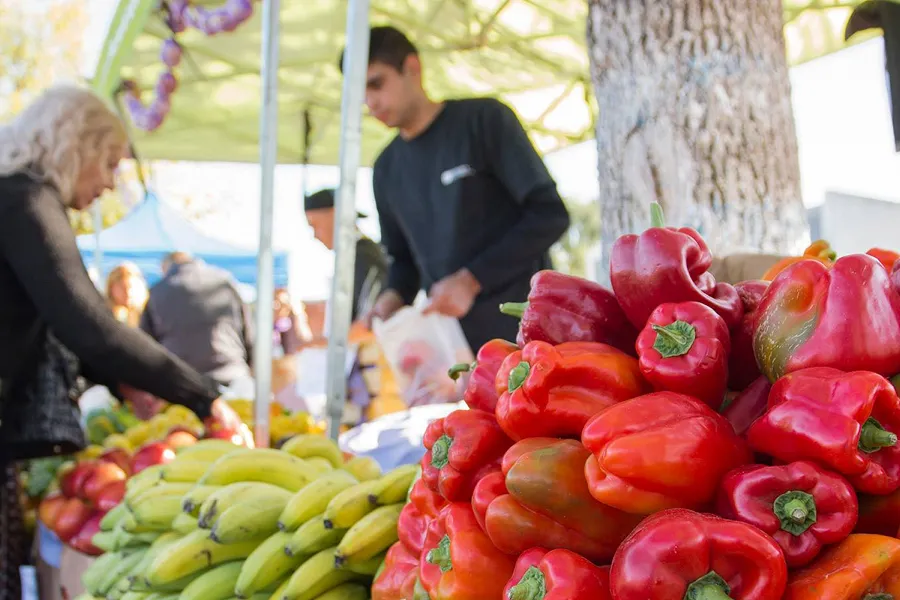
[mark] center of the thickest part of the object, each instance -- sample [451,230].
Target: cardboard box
[72,565]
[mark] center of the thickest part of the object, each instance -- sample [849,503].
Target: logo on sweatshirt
[456,173]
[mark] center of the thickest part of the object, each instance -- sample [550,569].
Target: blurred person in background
[196,312]
[126,293]
[291,326]
[371,265]
[61,153]
[468,210]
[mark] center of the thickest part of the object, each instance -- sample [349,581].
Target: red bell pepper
[423,507]
[665,264]
[742,367]
[462,448]
[847,422]
[460,562]
[553,391]
[563,308]
[684,348]
[886,257]
[397,579]
[659,451]
[748,406]
[862,567]
[517,513]
[542,574]
[846,317]
[879,514]
[481,393]
[679,554]
[801,505]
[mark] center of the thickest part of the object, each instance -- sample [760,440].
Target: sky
[842,121]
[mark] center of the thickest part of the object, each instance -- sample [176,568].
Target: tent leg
[265,286]
[356,60]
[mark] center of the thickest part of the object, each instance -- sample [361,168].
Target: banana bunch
[313,536]
[309,446]
[314,498]
[191,554]
[194,499]
[156,507]
[253,516]
[216,584]
[314,577]
[364,468]
[267,566]
[264,465]
[108,569]
[367,538]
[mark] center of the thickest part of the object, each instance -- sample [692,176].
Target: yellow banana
[130,525]
[312,537]
[253,518]
[309,446]
[137,581]
[219,501]
[315,577]
[346,591]
[192,553]
[184,470]
[157,512]
[350,505]
[162,596]
[116,514]
[135,596]
[314,498]
[207,451]
[191,501]
[266,566]
[264,465]
[364,468]
[118,590]
[371,535]
[394,485]
[215,584]
[279,591]
[184,523]
[318,465]
[156,492]
[146,478]
[367,567]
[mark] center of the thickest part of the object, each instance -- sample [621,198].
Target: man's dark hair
[387,45]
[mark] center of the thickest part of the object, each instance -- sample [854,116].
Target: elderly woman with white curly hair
[62,152]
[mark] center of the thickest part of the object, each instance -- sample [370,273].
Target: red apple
[72,480]
[71,519]
[117,456]
[50,508]
[154,453]
[104,473]
[223,433]
[83,540]
[179,438]
[110,496]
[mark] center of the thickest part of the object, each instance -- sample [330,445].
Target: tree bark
[695,113]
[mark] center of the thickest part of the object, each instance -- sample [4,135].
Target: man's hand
[387,304]
[453,295]
[144,404]
[224,417]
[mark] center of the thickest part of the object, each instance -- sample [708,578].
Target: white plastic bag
[421,349]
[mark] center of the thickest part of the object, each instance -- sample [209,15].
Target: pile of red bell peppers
[674,438]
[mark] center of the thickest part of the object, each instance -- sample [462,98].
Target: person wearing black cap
[370,275]
[468,210]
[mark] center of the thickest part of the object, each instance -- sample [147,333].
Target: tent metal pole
[265,285]
[356,61]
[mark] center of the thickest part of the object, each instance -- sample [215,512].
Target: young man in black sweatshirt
[467,208]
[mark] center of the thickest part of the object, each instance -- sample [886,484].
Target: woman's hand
[224,420]
[144,404]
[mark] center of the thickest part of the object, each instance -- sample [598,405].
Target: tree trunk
[695,113]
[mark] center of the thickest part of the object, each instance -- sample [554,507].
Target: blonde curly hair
[65,128]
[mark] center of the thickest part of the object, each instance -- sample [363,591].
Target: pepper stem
[657,218]
[796,511]
[878,597]
[674,339]
[460,368]
[709,587]
[440,555]
[874,437]
[514,309]
[532,586]
[440,452]
[895,381]
[518,376]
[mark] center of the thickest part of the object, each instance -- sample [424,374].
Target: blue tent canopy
[153,229]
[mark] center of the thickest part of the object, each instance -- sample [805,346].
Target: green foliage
[573,253]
